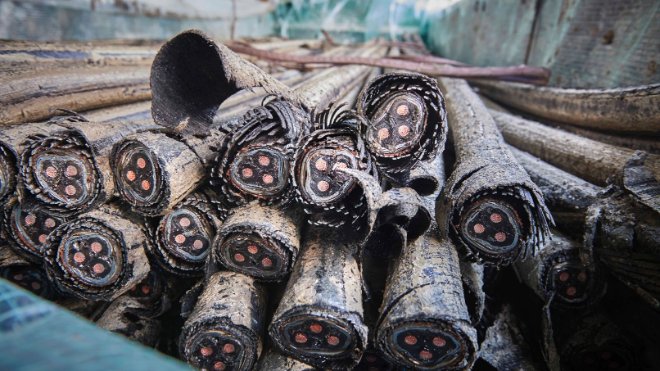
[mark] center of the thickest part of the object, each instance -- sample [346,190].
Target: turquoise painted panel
[599,43]
[481,32]
[43,22]
[38,335]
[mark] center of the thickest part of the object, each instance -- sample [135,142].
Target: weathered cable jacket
[487,187]
[416,128]
[427,177]
[23,57]
[260,241]
[320,317]
[614,228]
[623,236]
[472,275]
[630,109]
[253,160]
[560,189]
[98,256]
[335,81]
[330,197]
[70,171]
[558,276]
[155,171]
[276,361]
[27,227]
[271,133]
[637,142]
[504,347]
[517,73]
[192,75]
[424,320]
[122,317]
[586,158]
[12,145]
[35,97]
[182,238]
[225,328]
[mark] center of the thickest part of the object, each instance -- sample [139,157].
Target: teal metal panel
[481,32]
[598,43]
[45,22]
[38,335]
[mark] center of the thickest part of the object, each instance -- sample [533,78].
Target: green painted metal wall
[586,43]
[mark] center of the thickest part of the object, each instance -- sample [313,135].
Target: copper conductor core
[253,249]
[141,163]
[184,222]
[239,257]
[323,186]
[321,165]
[564,276]
[30,219]
[247,172]
[264,160]
[42,238]
[198,244]
[571,291]
[35,285]
[403,130]
[70,190]
[582,277]
[425,355]
[500,236]
[383,133]
[410,340]
[340,165]
[96,247]
[206,351]
[402,110]
[300,338]
[315,328]
[228,348]
[267,178]
[145,185]
[479,228]
[333,340]
[98,268]
[495,217]
[130,175]
[372,359]
[79,257]
[266,262]
[179,238]
[49,223]
[71,171]
[219,365]
[146,289]
[439,342]
[51,172]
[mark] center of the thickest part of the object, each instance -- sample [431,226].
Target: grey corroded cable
[97,256]
[494,212]
[259,241]
[320,317]
[225,328]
